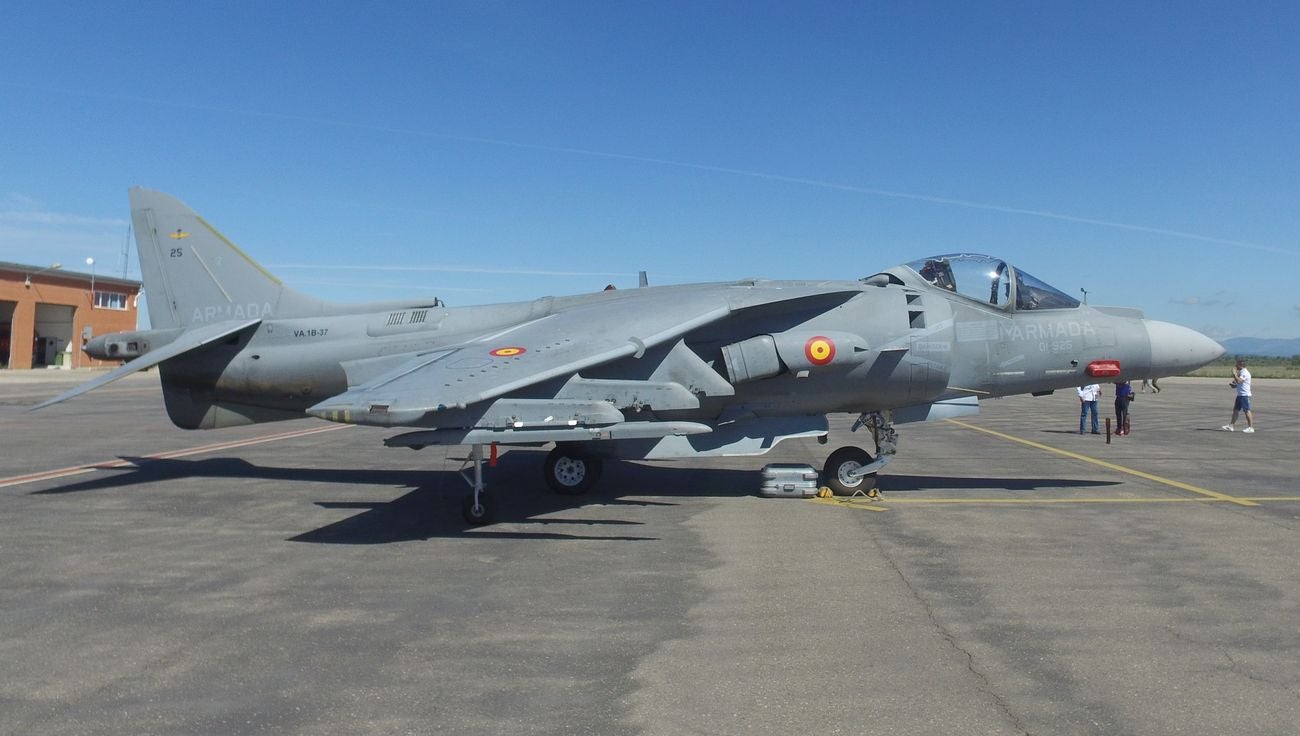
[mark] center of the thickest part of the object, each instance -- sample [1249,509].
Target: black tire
[571,473]
[842,462]
[484,513]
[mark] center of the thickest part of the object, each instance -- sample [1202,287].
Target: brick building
[43,309]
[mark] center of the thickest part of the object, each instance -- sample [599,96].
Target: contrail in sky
[838,186]
[446,269]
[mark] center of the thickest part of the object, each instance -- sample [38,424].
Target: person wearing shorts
[1241,382]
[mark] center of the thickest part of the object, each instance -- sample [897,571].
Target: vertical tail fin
[193,275]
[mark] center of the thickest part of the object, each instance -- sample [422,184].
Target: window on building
[110,300]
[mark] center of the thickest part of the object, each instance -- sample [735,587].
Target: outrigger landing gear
[478,507]
[569,471]
[851,470]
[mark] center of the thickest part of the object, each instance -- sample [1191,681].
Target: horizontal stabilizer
[187,341]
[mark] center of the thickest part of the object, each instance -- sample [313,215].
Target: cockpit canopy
[991,281]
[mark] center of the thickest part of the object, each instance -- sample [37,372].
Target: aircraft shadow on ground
[522,500]
[432,506]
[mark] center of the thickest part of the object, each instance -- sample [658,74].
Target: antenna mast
[126,250]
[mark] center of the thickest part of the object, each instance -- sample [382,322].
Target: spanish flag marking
[179,234]
[819,350]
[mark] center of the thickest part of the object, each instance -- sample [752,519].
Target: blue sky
[493,151]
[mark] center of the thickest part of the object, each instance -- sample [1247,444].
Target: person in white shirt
[1241,382]
[1088,396]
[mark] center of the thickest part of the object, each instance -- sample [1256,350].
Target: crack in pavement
[986,686]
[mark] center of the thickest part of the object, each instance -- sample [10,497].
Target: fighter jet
[697,370]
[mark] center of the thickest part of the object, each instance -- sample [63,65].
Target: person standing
[1241,382]
[1123,397]
[1088,396]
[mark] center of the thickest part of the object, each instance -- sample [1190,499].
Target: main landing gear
[571,472]
[851,470]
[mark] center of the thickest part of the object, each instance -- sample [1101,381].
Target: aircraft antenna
[126,251]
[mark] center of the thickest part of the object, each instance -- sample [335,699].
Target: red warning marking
[1103,368]
[509,352]
[819,350]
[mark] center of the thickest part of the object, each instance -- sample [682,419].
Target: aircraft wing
[191,339]
[559,344]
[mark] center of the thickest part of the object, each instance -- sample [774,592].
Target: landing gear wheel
[479,513]
[571,473]
[841,464]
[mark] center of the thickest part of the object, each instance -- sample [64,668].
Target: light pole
[90,262]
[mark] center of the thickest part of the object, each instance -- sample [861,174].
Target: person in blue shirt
[1123,397]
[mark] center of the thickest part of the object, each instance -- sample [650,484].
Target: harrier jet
[652,373]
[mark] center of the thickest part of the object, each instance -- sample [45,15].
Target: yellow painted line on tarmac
[893,501]
[1112,466]
[17,480]
[857,503]
[873,504]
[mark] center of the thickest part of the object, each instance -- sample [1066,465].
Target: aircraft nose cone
[1176,349]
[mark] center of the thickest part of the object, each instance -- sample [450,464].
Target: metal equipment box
[788,480]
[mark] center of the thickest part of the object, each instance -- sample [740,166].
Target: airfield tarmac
[299,578]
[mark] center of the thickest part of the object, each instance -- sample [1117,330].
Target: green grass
[1259,367]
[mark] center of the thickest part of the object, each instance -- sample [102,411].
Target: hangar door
[6,331]
[53,332]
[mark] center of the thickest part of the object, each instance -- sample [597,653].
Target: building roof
[24,270]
